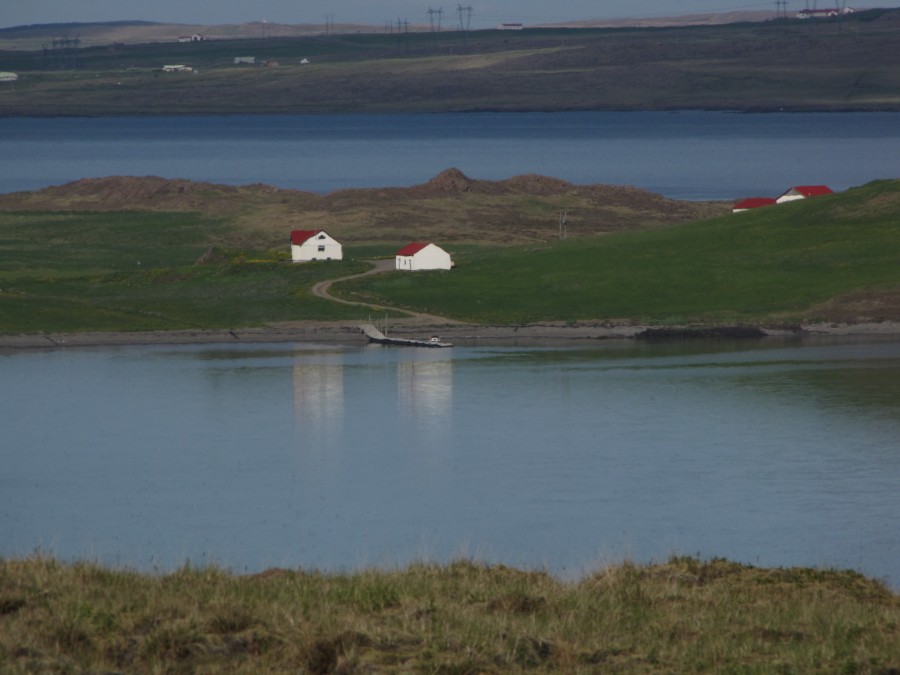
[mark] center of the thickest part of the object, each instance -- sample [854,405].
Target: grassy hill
[84,269]
[852,64]
[129,254]
[832,258]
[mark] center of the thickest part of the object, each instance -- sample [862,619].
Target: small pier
[378,337]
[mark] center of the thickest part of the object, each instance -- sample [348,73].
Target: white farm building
[422,256]
[307,245]
[803,192]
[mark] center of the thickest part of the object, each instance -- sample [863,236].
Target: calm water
[253,456]
[685,155]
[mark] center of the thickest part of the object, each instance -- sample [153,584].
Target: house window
[321,247]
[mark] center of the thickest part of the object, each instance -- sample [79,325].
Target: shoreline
[349,333]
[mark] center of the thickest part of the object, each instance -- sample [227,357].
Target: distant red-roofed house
[752,203]
[804,192]
[422,256]
[307,245]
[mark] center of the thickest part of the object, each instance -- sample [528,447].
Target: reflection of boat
[378,337]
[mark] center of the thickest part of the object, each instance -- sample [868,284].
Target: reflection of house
[751,203]
[319,400]
[422,256]
[804,192]
[425,390]
[309,245]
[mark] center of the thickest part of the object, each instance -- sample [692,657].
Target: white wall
[319,247]
[429,258]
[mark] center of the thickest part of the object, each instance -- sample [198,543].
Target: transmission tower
[439,13]
[781,9]
[465,16]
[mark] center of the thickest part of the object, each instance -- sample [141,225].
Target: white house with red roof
[422,256]
[804,192]
[752,203]
[308,245]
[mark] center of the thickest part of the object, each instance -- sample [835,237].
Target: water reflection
[319,399]
[425,393]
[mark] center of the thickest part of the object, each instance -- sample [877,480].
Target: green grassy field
[114,271]
[682,616]
[771,265]
[139,271]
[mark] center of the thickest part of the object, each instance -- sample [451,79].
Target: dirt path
[378,267]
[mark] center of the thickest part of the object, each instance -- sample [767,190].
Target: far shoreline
[348,333]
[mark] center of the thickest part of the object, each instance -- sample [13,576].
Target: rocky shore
[349,333]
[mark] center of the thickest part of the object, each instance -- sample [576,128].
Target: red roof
[811,190]
[753,203]
[413,248]
[299,236]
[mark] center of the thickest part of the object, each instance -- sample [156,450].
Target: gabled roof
[300,236]
[413,248]
[753,203]
[810,190]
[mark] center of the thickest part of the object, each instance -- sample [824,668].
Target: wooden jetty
[378,337]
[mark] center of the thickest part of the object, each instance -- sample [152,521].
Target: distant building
[510,26]
[249,60]
[823,13]
[8,77]
[752,203]
[308,245]
[422,256]
[196,37]
[804,192]
[179,68]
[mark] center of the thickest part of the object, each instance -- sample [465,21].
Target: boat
[377,337]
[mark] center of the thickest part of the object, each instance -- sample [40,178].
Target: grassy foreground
[685,615]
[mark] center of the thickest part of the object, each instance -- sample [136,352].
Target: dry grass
[685,615]
[449,208]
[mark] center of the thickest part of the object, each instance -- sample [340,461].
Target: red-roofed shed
[422,256]
[752,203]
[804,192]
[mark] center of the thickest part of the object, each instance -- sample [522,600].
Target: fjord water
[250,456]
[683,155]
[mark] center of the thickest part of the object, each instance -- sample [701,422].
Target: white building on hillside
[422,256]
[8,77]
[803,192]
[307,245]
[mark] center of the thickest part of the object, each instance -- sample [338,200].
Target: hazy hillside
[851,64]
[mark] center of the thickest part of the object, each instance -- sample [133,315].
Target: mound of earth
[449,207]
